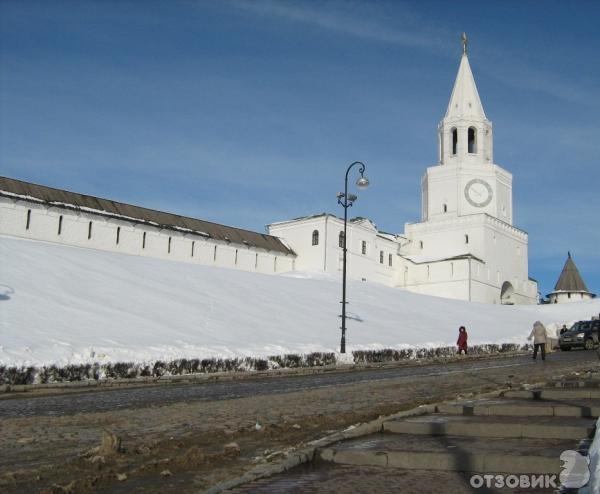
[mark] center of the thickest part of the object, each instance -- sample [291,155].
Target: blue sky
[246,113]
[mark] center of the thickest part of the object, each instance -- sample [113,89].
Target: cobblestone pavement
[114,399]
[173,436]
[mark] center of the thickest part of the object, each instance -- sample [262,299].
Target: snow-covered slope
[67,305]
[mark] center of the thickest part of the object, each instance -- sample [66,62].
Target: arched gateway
[506,293]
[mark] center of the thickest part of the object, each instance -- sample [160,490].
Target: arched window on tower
[472,140]
[341,239]
[454,140]
[315,237]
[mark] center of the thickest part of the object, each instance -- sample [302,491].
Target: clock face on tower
[478,193]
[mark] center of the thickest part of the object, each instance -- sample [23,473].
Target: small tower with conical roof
[570,286]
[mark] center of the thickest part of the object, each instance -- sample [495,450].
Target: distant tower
[570,287]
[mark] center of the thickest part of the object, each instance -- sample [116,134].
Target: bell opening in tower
[472,140]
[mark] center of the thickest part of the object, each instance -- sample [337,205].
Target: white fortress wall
[79,228]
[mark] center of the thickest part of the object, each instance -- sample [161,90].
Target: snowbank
[64,305]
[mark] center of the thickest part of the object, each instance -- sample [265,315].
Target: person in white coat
[538,333]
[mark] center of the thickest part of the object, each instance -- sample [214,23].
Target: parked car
[582,334]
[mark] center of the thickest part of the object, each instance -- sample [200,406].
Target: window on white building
[169,246]
[144,240]
[215,254]
[421,244]
[236,256]
[466,239]
[255,261]
[28,222]
[341,239]
[89,230]
[364,247]
[445,208]
[390,259]
[275,265]
[60,224]
[193,245]
[380,257]
[315,237]
[118,234]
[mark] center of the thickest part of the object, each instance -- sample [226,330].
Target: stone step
[451,453]
[577,383]
[506,426]
[554,393]
[524,407]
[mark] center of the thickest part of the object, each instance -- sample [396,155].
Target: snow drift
[63,305]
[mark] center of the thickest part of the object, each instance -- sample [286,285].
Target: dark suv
[581,334]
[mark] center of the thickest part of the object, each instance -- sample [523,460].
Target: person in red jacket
[462,340]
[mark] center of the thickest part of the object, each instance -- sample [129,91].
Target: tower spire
[464,101]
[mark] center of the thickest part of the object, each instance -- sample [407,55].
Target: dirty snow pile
[65,305]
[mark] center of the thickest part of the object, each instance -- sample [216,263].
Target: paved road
[111,400]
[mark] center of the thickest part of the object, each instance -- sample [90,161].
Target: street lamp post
[346,200]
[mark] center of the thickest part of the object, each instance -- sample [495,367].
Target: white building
[570,286]
[465,245]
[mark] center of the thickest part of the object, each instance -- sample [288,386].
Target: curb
[307,454]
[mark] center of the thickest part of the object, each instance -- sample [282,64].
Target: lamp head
[362,182]
[352,197]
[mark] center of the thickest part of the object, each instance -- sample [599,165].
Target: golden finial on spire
[464,42]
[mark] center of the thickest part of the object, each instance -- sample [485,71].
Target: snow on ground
[64,305]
